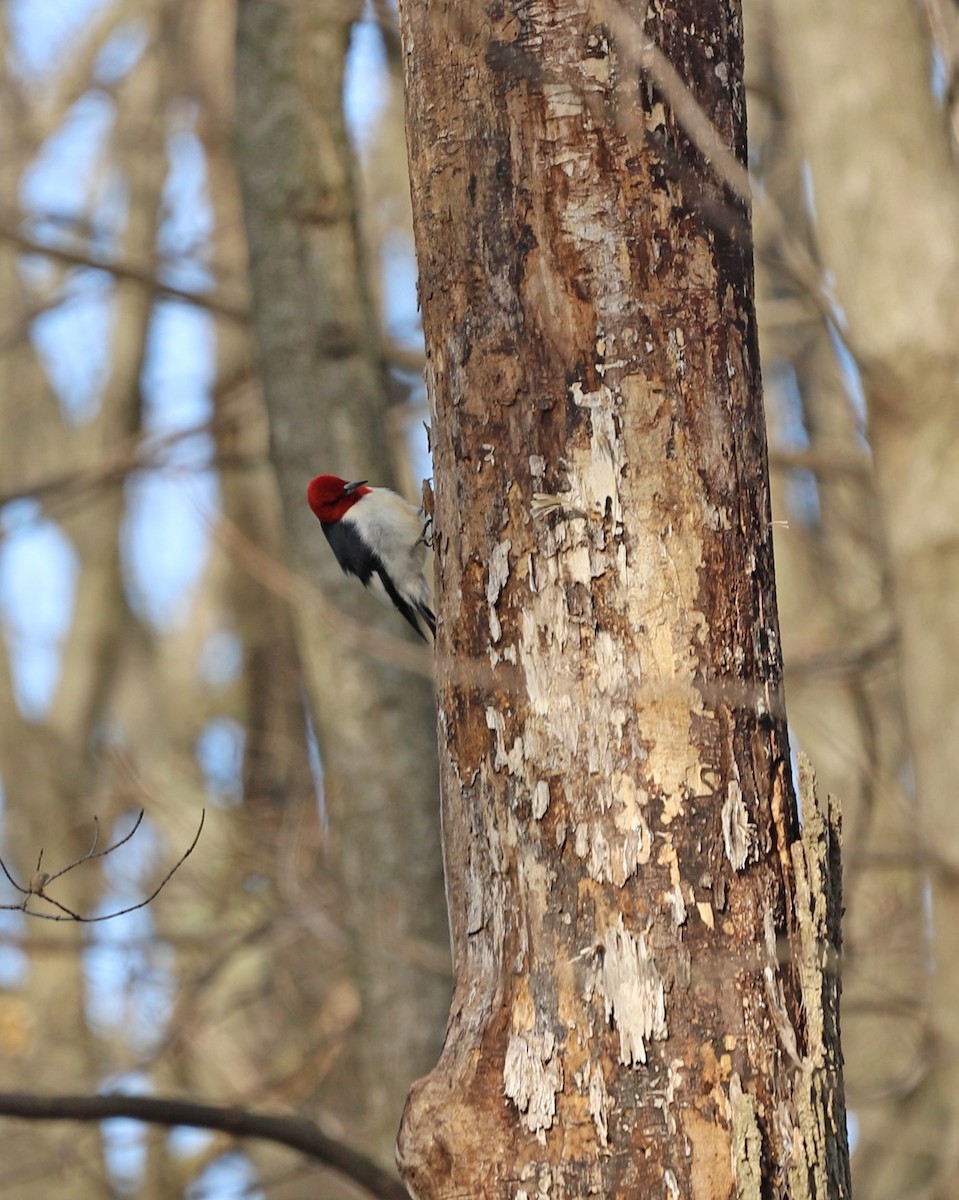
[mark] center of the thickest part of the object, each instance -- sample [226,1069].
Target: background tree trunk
[638,969]
[842,656]
[887,205]
[325,387]
[237,986]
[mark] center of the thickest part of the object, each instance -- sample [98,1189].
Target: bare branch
[404,358]
[839,460]
[39,880]
[141,452]
[23,890]
[68,913]
[93,852]
[122,270]
[295,1132]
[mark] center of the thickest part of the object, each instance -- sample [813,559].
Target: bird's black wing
[352,553]
[356,558]
[427,614]
[403,606]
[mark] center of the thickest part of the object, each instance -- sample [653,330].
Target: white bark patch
[563,101]
[577,551]
[716,518]
[611,675]
[599,485]
[532,1077]
[616,861]
[614,679]
[633,993]
[675,900]
[593,1084]
[769,936]
[599,863]
[550,681]
[540,800]
[496,581]
[634,851]
[507,758]
[665,1100]
[628,803]
[475,918]
[544,1177]
[737,830]
[662,579]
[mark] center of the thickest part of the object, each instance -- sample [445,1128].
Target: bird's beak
[351,487]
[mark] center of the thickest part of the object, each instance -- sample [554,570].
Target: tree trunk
[639,966]
[325,390]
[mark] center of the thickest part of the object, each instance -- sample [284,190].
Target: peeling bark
[621,835]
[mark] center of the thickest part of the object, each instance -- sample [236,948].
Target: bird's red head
[330,497]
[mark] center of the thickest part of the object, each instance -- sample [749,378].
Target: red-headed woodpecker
[378,537]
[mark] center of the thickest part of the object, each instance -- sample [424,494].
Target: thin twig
[123,270]
[140,453]
[93,852]
[3,867]
[40,882]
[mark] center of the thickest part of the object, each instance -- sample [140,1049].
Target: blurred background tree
[158,654]
[176,635]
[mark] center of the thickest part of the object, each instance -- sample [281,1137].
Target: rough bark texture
[324,386]
[887,205]
[638,1009]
